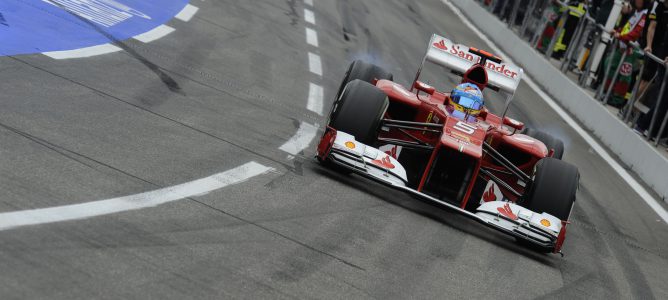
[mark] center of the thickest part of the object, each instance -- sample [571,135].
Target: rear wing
[459,59]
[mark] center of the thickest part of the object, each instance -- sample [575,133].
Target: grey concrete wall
[632,150]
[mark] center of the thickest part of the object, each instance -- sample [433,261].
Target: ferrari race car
[420,140]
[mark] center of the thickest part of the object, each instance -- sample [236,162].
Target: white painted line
[315,96]
[311,37]
[83,52]
[197,187]
[187,13]
[314,64]
[308,2]
[301,140]
[634,184]
[309,16]
[154,34]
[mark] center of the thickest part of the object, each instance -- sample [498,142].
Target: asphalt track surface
[230,87]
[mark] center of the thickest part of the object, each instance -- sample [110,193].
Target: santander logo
[441,45]
[462,51]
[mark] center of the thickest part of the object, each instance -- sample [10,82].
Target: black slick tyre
[550,141]
[359,111]
[553,189]
[363,71]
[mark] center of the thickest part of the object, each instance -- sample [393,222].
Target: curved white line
[83,52]
[197,187]
[187,13]
[154,34]
[301,140]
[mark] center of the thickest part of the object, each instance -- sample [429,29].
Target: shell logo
[545,222]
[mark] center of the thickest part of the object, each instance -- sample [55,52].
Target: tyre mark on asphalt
[638,284]
[285,236]
[215,137]
[294,16]
[283,109]
[67,153]
[171,84]
[201,131]
[583,274]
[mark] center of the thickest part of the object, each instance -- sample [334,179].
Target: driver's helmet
[467,100]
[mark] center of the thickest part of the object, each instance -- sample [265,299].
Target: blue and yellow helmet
[467,99]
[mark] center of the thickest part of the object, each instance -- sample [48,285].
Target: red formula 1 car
[486,166]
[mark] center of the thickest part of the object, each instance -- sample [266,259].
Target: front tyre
[363,71]
[553,189]
[359,111]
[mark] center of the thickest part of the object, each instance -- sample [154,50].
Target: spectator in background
[658,15]
[576,9]
[601,10]
[630,32]
[642,126]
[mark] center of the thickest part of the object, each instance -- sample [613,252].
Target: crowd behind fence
[579,36]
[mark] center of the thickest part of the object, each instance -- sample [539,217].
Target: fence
[588,43]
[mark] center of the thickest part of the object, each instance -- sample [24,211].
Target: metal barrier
[537,12]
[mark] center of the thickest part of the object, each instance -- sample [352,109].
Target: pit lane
[110,126]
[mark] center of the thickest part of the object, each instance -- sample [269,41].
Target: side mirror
[421,86]
[512,123]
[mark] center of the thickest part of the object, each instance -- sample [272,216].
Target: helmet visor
[468,103]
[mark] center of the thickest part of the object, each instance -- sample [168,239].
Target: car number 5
[465,128]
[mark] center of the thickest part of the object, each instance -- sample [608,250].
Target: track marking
[309,16]
[307,132]
[154,34]
[197,187]
[314,64]
[311,37]
[187,13]
[83,52]
[632,182]
[315,95]
[301,140]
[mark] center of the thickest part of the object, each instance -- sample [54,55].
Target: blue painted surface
[35,26]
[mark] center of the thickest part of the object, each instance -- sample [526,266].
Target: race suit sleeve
[635,33]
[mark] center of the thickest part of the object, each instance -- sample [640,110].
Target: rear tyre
[359,111]
[552,191]
[363,71]
[547,139]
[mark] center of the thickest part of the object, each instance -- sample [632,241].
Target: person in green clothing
[630,32]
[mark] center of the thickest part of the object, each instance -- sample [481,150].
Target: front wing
[540,229]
